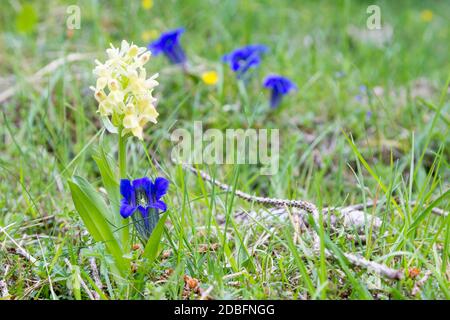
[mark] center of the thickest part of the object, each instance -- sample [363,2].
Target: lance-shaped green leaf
[110,182]
[151,248]
[94,213]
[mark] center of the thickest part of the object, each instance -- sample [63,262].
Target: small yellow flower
[210,78]
[147,4]
[148,35]
[426,15]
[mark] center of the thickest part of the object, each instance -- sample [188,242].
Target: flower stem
[123,175]
[122,156]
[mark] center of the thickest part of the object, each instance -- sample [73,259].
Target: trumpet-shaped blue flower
[169,45]
[280,86]
[244,58]
[143,195]
[362,94]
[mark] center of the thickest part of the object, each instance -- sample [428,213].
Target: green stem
[122,156]
[123,175]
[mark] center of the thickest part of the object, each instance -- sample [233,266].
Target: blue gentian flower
[244,58]
[362,93]
[144,196]
[359,98]
[169,45]
[339,74]
[280,86]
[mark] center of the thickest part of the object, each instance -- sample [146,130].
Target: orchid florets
[123,91]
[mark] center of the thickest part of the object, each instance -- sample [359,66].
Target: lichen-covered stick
[271,202]
[301,204]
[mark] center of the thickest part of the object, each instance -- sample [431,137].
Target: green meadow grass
[335,150]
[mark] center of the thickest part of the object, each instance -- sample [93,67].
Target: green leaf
[26,19]
[93,212]
[300,264]
[94,198]
[427,211]
[151,251]
[110,181]
[371,172]
[75,278]
[151,248]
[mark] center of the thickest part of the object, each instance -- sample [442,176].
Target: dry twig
[49,68]
[4,289]
[20,249]
[419,284]
[96,277]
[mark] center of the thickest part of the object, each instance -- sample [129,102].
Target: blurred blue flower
[359,98]
[242,59]
[362,93]
[144,196]
[280,86]
[169,45]
[339,74]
